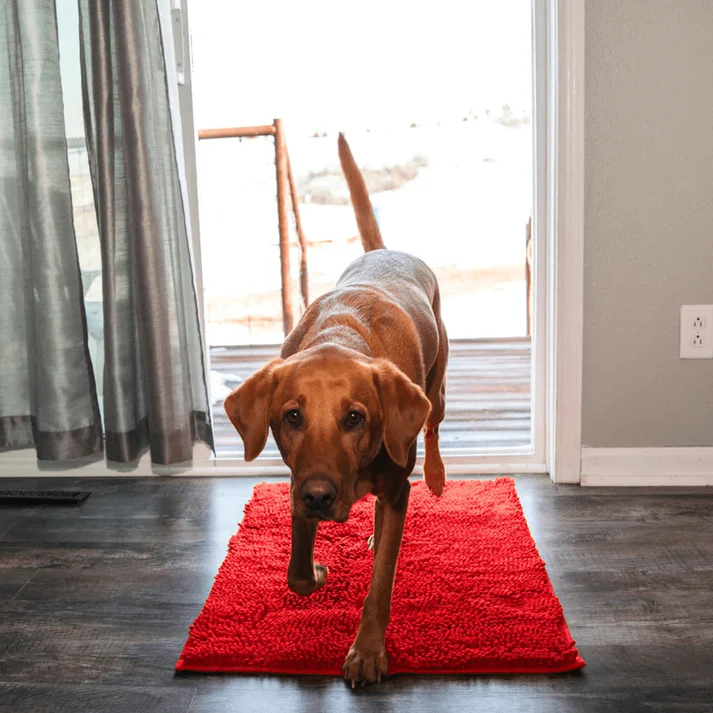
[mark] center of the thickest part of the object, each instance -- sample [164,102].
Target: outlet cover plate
[696,332]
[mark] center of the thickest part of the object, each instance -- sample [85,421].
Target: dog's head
[330,410]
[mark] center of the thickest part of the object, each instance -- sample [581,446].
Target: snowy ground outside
[463,212]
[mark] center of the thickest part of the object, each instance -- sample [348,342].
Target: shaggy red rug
[471,594]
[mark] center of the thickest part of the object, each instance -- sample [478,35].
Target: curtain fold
[155,392]
[47,390]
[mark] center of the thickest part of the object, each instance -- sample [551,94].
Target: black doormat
[42,497]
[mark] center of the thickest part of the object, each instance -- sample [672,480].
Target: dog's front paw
[306,586]
[365,663]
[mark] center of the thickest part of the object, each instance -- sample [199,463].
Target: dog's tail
[366,221]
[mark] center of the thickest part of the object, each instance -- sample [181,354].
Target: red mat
[471,594]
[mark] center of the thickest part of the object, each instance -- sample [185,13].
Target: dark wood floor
[95,604]
[487,398]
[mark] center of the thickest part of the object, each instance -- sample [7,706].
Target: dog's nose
[318,494]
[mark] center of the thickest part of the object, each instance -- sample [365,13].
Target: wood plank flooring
[95,604]
[487,398]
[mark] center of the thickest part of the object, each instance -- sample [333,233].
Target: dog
[357,379]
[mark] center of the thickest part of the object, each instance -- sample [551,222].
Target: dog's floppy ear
[404,407]
[248,408]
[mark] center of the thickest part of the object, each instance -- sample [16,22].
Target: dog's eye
[293,418]
[354,419]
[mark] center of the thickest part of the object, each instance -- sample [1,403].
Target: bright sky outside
[358,64]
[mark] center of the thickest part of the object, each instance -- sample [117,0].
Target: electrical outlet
[697,332]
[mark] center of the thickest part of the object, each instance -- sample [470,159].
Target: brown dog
[358,378]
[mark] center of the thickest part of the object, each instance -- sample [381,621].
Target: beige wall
[648,220]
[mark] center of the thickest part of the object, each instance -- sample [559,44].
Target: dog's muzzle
[318,494]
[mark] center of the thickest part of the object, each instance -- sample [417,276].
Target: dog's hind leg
[434,472]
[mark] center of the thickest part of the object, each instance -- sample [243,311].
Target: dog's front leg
[366,660]
[303,575]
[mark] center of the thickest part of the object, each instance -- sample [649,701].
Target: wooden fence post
[283,187]
[304,282]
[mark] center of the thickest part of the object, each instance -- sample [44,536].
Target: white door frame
[558,273]
[565,237]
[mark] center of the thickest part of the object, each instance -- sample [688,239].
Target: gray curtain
[47,391]
[155,391]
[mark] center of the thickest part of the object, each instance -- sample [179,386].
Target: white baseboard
[24,464]
[647,466]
